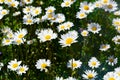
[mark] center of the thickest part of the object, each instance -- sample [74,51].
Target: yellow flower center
[50,10]
[28,0]
[93,63]
[19,41]
[112,78]
[117,23]
[13,4]
[7,41]
[111,59]
[9,0]
[105,1]
[110,6]
[82,15]
[22,69]
[36,11]
[90,76]
[20,35]
[4,12]
[15,65]
[104,47]
[94,28]
[69,41]
[118,73]
[118,40]
[29,21]
[86,7]
[67,3]
[1,0]
[84,33]
[44,65]
[74,64]
[62,27]
[48,37]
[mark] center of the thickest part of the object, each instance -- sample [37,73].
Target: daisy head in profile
[73,64]
[42,64]
[14,65]
[81,15]
[89,75]
[94,28]
[93,63]
[104,47]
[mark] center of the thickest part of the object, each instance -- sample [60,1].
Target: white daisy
[22,69]
[73,64]
[14,65]
[89,74]
[27,1]
[105,2]
[84,33]
[13,4]
[66,3]
[118,29]
[86,7]
[59,78]
[117,13]
[27,9]
[117,71]
[50,9]
[21,33]
[28,21]
[18,41]
[98,4]
[6,30]
[42,64]
[94,27]
[60,18]
[81,15]
[70,78]
[46,35]
[1,65]
[36,11]
[111,6]
[116,39]
[116,22]
[111,76]
[6,41]
[68,38]
[93,63]
[10,35]
[104,47]
[16,13]
[112,61]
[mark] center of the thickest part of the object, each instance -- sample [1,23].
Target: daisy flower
[117,13]
[70,78]
[93,63]
[117,71]
[86,7]
[36,11]
[27,9]
[98,4]
[6,41]
[3,12]
[46,35]
[60,18]
[16,13]
[14,65]
[66,3]
[61,27]
[1,1]
[21,33]
[10,35]
[27,1]
[111,76]
[84,33]
[116,39]
[94,27]
[50,9]
[118,29]
[111,6]
[22,69]
[112,61]
[116,22]
[74,64]
[28,21]
[18,41]
[89,74]
[104,47]
[42,64]
[59,78]
[1,65]
[68,38]
[13,4]
[81,15]
[105,2]
[5,30]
